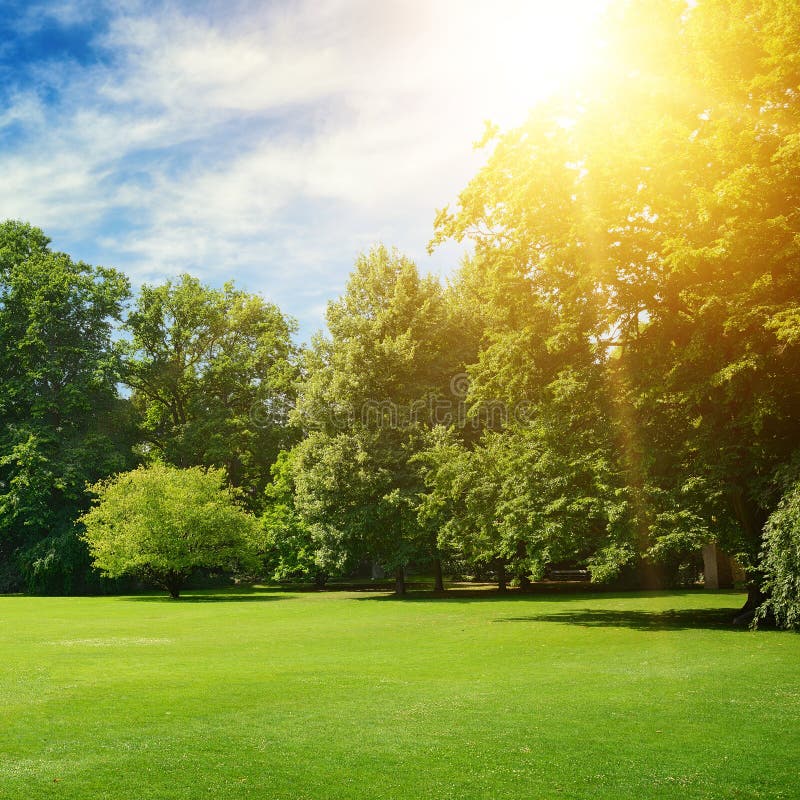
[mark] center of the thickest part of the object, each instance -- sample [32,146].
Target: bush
[780,561]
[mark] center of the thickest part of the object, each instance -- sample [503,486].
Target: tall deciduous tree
[654,216]
[369,395]
[63,423]
[212,373]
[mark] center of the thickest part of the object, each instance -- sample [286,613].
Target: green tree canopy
[368,397]
[645,230]
[292,550]
[160,523]
[212,373]
[781,562]
[63,423]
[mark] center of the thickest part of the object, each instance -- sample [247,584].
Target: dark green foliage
[63,423]
[291,550]
[212,373]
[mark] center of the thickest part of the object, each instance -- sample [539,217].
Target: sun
[533,49]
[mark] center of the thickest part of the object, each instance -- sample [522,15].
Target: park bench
[574,574]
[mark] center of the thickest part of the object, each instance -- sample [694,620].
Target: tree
[63,423]
[212,373]
[459,502]
[369,394]
[541,490]
[292,552]
[652,216]
[160,523]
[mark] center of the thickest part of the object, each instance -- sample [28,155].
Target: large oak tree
[654,215]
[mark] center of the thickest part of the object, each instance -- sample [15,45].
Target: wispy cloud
[266,143]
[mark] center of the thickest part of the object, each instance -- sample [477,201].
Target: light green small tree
[160,522]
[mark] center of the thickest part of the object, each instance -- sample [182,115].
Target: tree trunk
[752,520]
[717,572]
[400,582]
[320,579]
[755,597]
[438,578]
[173,583]
[502,579]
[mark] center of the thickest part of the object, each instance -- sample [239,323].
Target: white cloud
[271,146]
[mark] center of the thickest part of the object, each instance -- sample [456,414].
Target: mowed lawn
[265,694]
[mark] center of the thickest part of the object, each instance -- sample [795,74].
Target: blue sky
[265,142]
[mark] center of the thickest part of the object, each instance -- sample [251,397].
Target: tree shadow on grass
[215,596]
[450,596]
[489,594]
[672,620]
[637,619]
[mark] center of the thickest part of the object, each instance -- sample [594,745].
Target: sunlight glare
[530,50]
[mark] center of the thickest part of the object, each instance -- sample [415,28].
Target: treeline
[620,356]
[611,379]
[94,382]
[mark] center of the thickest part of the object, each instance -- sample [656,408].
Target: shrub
[781,562]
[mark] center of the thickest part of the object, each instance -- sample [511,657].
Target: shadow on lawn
[487,593]
[248,596]
[672,619]
[677,619]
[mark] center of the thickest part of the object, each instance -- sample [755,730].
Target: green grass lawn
[267,694]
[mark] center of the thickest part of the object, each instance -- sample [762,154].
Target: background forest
[610,380]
